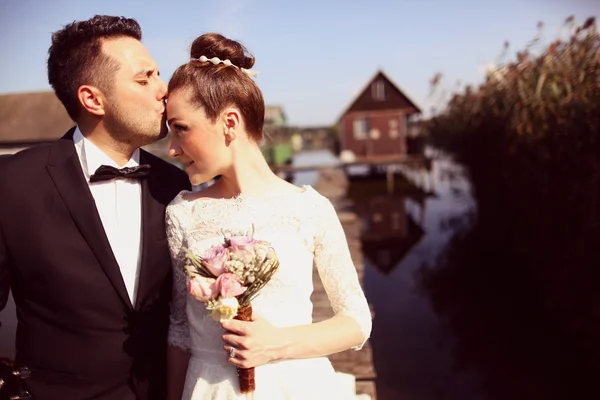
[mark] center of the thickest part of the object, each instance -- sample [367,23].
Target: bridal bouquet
[227,276]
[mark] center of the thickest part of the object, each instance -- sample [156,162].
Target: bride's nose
[174,149]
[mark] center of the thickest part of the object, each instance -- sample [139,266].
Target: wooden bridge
[414,161]
[415,168]
[356,363]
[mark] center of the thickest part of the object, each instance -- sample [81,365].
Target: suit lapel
[65,170]
[153,215]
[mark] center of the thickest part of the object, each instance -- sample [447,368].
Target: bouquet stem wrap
[246,375]
[227,277]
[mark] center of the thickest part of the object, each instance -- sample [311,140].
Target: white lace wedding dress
[303,228]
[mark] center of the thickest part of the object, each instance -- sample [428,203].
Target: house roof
[32,118]
[363,101]
[274,112]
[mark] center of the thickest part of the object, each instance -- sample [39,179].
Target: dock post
[389,172]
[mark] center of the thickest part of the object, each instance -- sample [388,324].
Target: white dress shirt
[119,204]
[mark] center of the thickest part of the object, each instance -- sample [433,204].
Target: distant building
[275,116]
[318,137]
[278,145]
[376,122]
[27,119]
[275,127]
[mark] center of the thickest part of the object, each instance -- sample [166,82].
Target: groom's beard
[134,126]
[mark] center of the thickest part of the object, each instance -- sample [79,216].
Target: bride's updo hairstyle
[215,83]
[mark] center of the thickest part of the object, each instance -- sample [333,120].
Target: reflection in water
[455,320]
[8,319]
[530,331]
[388,231]
[402,234]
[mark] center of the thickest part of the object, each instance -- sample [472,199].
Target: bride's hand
[254,343]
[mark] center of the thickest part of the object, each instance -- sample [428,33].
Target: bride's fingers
[235,326]
[239,362]
[239,358]
[236,353]
[236,341]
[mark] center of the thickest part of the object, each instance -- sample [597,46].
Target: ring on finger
[231,352]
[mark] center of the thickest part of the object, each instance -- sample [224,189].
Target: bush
[524,276]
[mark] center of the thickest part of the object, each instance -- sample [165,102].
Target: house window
[393,128]
[361,128]
[377,217]
[378,91]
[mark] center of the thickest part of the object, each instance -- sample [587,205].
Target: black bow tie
[106,173]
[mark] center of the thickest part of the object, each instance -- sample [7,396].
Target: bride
[215,112]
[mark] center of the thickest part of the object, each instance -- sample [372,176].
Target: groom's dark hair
[75,57]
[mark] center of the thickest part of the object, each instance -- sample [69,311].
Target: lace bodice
[303,228]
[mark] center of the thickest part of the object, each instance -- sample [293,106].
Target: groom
[82,231]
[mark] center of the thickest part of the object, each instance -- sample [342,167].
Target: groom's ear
[91,99]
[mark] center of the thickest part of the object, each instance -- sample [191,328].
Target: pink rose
[230,285]
[203,289]
[243,242]
[215,258]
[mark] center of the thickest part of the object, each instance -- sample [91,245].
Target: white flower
[223,309]
[271,255]
[261,253]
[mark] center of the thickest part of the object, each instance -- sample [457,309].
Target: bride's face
[199,143]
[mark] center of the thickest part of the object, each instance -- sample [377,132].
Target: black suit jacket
[77,329]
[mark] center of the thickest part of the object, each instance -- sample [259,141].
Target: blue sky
[313,56]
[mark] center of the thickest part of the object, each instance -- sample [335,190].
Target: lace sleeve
[179,334]
[337,270]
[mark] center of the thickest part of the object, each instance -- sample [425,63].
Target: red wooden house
[376,122]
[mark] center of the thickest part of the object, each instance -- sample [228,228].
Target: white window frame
[360,128]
